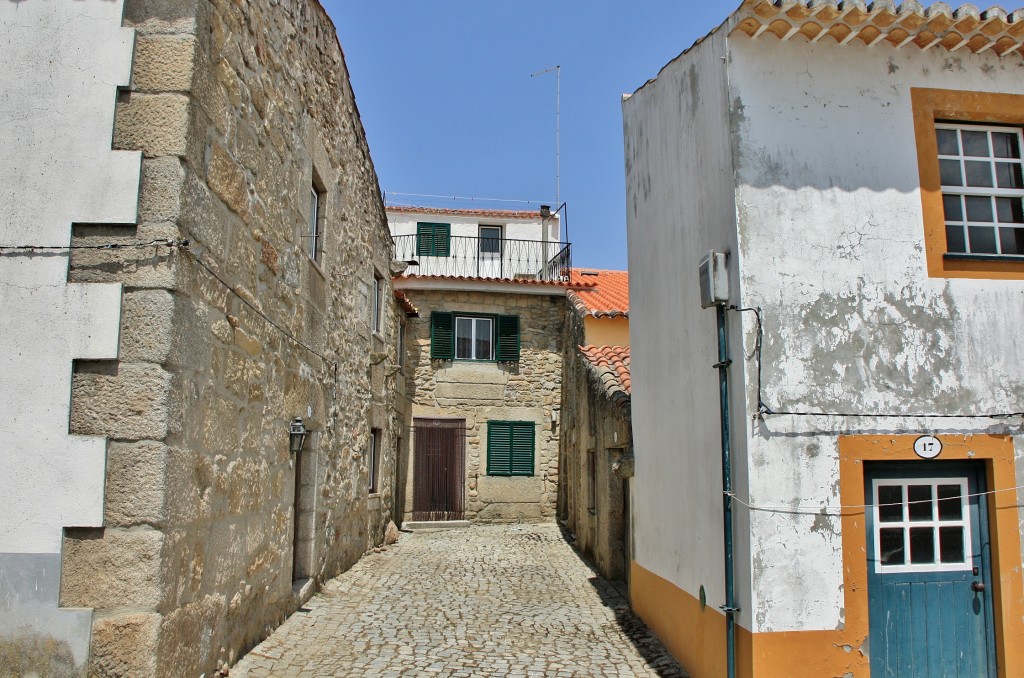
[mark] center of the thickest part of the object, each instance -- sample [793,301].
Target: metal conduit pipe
[729,608]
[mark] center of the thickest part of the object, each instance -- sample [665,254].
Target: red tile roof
[610,364]
[504,214]
[610,297]
[572,284]
[406,305]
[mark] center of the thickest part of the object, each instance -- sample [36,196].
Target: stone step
[432,525]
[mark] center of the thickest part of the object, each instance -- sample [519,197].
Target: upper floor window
[982,189]
[401,343]
[969,147]
[315,234]
[377,307]
[457,336]
[433,240]
[474,338]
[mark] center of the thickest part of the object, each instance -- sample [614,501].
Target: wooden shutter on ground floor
[510,448]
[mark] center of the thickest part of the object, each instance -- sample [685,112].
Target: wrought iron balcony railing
[475,257]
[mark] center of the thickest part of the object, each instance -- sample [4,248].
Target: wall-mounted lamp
[296,435]
[545,211]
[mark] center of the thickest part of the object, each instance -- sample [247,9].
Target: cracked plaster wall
[831,247]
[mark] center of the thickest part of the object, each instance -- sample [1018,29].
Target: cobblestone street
[510,600]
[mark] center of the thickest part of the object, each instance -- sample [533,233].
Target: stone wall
[478,392]
[595,430]
[238,109]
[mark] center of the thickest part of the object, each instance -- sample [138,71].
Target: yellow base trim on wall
[697,637]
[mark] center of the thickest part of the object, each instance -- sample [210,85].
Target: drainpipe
[714,291]
[729,608]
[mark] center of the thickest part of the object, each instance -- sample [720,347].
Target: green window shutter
[442,336]
[522,448]
[499,448]
[507,350]
[424,239]
[433,240]
[442,240]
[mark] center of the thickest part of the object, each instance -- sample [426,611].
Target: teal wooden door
[929,581]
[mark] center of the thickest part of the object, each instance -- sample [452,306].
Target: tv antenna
[558,129]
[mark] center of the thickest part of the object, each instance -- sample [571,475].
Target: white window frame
[935,523]
[473,337]
[377,304]
[979,191]
[315,235]
[401,344]
[372,461]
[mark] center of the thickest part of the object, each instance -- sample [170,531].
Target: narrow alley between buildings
[490,600]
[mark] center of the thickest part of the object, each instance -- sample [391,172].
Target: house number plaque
[927,447]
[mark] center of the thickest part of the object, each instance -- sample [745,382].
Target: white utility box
[714,279]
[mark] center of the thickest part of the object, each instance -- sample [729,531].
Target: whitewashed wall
[680,203]
[831,243]
[542,244]
[62,64]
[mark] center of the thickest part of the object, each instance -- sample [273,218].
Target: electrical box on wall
[714,279]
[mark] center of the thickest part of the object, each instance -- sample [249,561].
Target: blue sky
[449,107]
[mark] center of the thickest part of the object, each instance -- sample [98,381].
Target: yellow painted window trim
[930,106]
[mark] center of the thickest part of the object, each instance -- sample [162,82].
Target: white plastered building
[818,145]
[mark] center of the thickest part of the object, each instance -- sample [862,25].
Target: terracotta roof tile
[610,297]
[506,214]
[571,284]
[909,24]
[406,305]
[610,364]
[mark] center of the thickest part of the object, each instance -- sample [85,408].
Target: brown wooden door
[439,469]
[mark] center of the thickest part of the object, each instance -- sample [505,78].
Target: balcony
[495,258]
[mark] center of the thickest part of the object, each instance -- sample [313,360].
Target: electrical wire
[840,510]
[166,242]
[764,410]
[459,197]
[257,311]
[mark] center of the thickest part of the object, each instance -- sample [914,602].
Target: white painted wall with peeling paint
[63,63]
[799,159]
[832,248]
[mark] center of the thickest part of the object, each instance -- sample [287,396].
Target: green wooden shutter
[433,240]
[499,448]
[442,240]
[424,239]
[522,448]
[442,336]
[508,339]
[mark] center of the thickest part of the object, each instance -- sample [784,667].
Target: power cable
[165,242]
[764,410]
[839,510]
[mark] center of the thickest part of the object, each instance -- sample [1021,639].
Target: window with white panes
[474,338]
[314,237]
[982,189]
[921,525]
[377,303]
[373,460]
